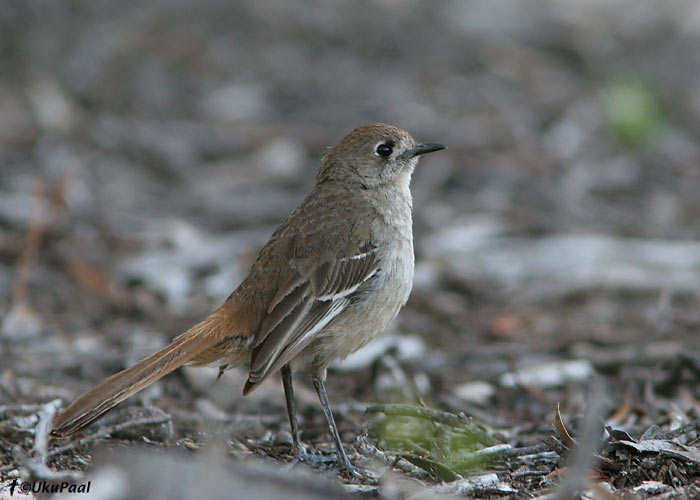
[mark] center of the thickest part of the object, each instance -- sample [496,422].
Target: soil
[149,149]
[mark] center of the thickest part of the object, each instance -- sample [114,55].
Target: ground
[149,149]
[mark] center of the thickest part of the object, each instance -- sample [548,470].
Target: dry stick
[442,417]
[36,465]
[43,427]
[527,450]
[105,432]
[482,455]
[31,246]
[391,459]
[564,435]
[692,426]
[587,442]
[47,213]
[436,469]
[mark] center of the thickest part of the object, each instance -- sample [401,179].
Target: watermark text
[27,487]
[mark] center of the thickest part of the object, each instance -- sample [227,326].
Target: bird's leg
[299,451]
[345,464]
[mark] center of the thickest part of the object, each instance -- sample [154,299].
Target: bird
[333,275]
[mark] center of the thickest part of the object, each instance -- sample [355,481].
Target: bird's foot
[350,471]
[353,472]
[312,459]
[330,463]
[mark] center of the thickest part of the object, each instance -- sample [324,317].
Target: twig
[587,443]
[498,449]
[31,246]
[564,435]
[47,214]
[529,473]
[471,459]
[684,429]
[96,281]
[436,469]
[21,320]
[36,465]
[393,460]
[526,450]
[105,432]
[43,427]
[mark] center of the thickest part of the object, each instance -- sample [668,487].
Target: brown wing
[303,306]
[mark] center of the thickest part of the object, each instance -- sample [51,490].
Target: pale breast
[376,305]
[377,302]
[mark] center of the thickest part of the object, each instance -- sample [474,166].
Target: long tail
[95,402]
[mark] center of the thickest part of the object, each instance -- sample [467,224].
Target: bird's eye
[384,150]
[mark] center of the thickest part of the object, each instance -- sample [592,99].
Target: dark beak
[421,149]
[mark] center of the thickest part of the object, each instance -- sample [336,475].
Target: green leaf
[632,111]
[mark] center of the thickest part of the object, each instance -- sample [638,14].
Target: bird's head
[373,155]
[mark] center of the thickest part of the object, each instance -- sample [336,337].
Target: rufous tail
[95,402]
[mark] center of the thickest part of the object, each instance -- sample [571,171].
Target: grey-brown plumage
[332,276]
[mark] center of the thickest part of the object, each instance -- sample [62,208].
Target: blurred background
[148,149]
